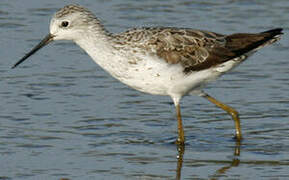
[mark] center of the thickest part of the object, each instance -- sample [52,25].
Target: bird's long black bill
[44,42]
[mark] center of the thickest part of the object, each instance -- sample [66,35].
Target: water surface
[61,116]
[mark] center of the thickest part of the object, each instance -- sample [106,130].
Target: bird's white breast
[148,73]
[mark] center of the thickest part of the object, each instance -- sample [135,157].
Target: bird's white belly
[158,77]
[153,75]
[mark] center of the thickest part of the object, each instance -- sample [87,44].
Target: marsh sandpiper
[159,60]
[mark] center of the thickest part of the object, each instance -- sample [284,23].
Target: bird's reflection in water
[181,151]
[234,163]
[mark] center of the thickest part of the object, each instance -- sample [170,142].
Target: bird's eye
[64,23]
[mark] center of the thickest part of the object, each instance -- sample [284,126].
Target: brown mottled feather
[236,45]
[194,49]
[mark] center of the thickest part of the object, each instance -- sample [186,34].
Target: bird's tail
[242,43]
[272,35]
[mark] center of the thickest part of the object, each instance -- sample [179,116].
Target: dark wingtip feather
[274,32]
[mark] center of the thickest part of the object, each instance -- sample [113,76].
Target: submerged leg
[229,110]
[181,134]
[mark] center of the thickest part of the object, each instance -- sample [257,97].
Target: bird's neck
[94,43]
[99,47]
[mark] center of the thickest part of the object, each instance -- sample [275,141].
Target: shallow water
[61,116]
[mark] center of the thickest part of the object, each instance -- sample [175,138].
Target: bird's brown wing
[197,50]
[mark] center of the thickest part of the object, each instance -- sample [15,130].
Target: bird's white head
[70,23]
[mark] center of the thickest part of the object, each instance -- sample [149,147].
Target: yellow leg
[229,110]
[181,134]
